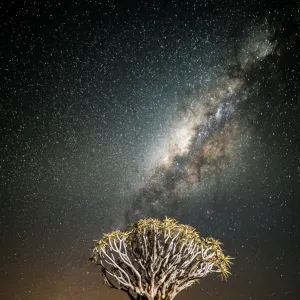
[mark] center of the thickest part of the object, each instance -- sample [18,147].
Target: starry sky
[112,111]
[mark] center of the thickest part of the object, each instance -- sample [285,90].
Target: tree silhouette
[155,260]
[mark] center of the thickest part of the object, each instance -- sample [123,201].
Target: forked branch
[156,260]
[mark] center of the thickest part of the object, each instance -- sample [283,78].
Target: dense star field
[118,110]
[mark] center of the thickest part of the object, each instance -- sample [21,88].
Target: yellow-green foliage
[185,234]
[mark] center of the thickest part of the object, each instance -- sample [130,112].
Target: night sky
[120,110]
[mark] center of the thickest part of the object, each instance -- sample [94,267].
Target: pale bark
[157,260]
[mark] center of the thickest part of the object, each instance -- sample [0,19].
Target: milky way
[204,135]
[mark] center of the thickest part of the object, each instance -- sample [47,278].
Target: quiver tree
[156,260]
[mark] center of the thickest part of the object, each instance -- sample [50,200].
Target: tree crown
[157,259]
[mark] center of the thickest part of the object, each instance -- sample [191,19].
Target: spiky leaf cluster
[157,259]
